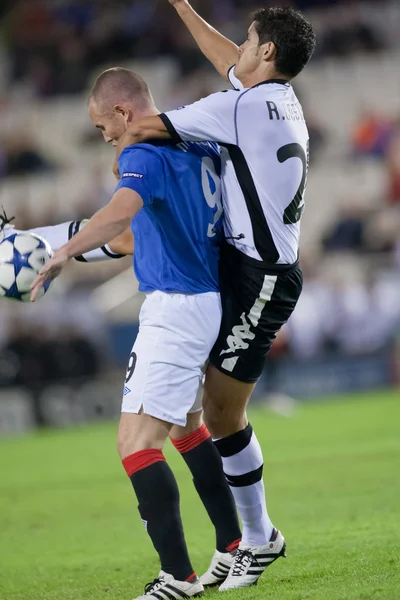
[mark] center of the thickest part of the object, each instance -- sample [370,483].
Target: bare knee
[193,423]
[222,421]
[224,403]
[140,432]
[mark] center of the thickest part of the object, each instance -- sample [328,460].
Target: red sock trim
[234,545]
[191,440]
[141,460]
[191,577]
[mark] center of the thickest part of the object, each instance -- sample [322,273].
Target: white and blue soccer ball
[22,255]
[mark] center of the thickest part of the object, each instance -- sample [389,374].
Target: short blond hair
[117,85]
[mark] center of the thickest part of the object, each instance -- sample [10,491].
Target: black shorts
[256,301]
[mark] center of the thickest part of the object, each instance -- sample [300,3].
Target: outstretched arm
[107,224]
[220,51]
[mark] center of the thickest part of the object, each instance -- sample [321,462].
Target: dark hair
[292,34]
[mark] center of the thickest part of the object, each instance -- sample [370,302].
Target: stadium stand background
[55,167]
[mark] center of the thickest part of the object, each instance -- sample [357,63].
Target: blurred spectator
[20,156]
[372,135]
[347,31]
[55,45]
[347,232]
[393,167]
[33,356]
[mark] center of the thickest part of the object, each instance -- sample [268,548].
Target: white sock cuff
[58,235]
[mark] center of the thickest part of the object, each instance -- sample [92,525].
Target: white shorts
[176,334]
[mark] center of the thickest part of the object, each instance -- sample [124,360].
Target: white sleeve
[59,235]
[211,119]
[236,84]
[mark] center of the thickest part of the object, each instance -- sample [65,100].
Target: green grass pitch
[69,528]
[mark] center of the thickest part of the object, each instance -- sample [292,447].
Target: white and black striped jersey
[264,148]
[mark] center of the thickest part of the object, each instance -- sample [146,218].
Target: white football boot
[250,562]
[218,570]
[165,587]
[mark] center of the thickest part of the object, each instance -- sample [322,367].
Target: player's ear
[124,112]
[268,51]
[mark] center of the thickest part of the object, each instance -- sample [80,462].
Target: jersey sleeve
[210,119]
[142,170]
[235,82]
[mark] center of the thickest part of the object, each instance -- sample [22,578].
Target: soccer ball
[22,255]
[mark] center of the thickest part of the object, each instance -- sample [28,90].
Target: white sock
[58,235]
[243,463]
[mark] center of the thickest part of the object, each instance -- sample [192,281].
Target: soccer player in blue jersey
[170,197]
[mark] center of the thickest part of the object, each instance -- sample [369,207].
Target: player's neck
[147,112]
[261,75]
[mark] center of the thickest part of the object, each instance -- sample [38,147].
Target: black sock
[205,464]
[158,495]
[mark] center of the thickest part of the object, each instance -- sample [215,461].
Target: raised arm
[220,51]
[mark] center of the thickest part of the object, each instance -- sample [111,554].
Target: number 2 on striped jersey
[294,211]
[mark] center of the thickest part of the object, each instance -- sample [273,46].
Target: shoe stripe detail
[223,565]
[166,595]
[218,575]
[181,594]
[221,568]
[159,597]
[245,479]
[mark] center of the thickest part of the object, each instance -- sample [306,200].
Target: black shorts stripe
[235,443]
[242,345]
[246,479]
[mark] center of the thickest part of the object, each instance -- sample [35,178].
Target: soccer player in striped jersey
[261,130]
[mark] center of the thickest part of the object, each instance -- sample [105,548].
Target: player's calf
[198,450]
[140,441]
[225,402]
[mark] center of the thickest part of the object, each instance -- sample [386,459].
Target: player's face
[112,124]
[250,55]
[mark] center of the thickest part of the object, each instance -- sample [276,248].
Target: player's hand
[50,271]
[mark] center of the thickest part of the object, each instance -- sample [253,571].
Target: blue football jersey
[177,232]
